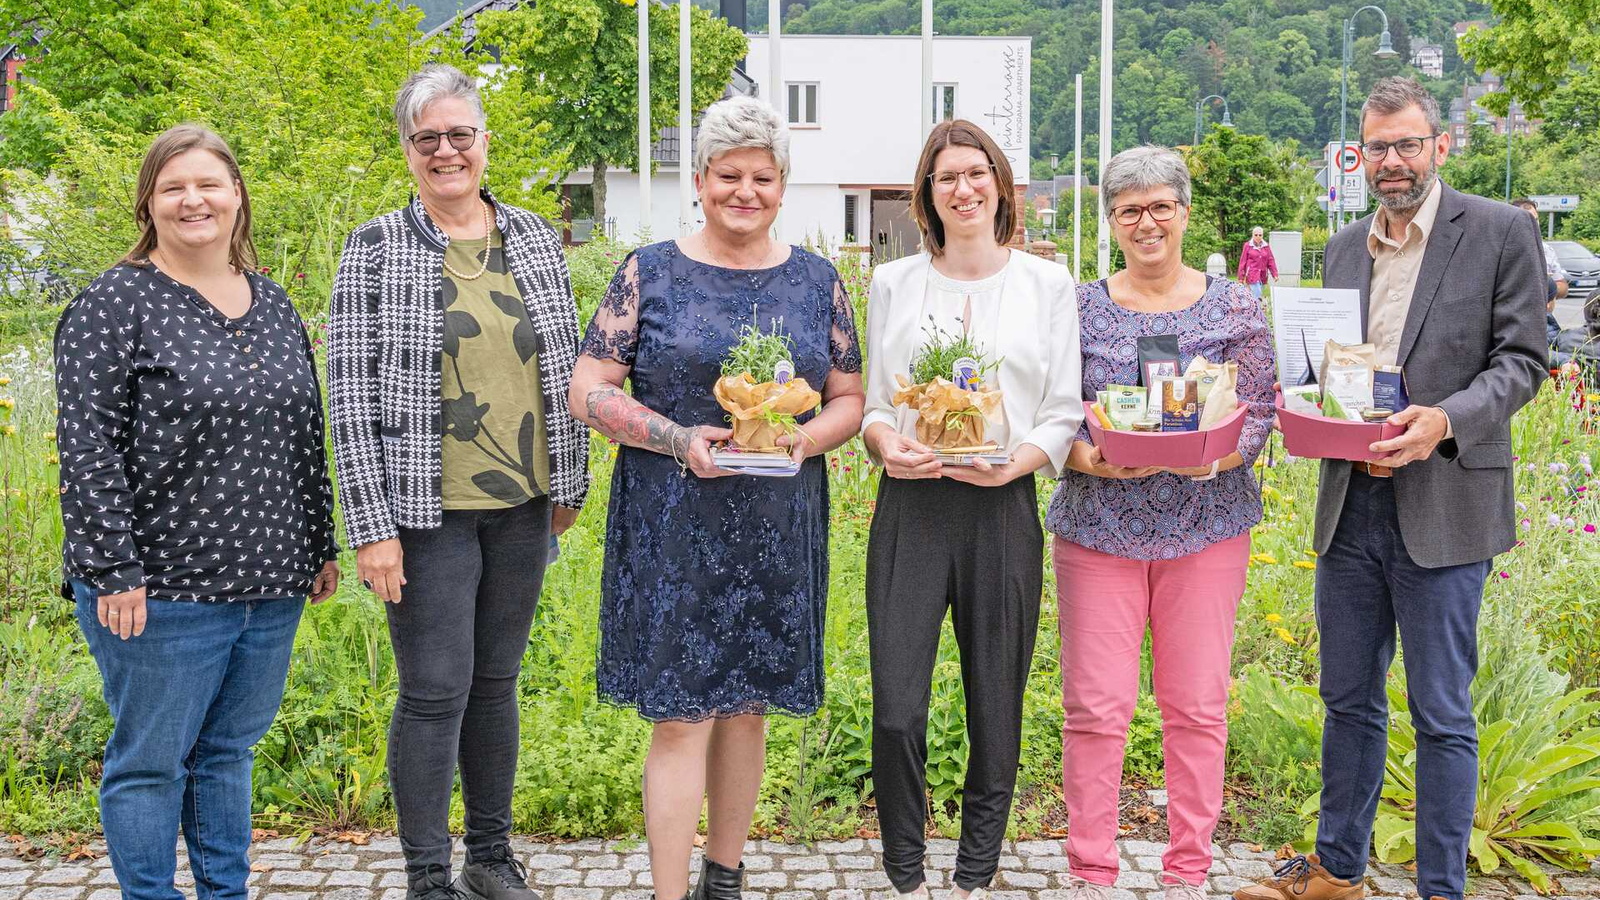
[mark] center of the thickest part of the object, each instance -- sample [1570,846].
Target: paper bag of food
[1219,389]
[761,412]
[946,415]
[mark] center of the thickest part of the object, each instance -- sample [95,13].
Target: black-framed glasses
[461,137]
[1160,211]
[1408,148]
[977,176]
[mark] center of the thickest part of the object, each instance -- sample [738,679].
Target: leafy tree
[1240,181]
[1536,47]
[1278,115]
[583,56]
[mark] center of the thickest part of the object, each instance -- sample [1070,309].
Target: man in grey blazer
[1452,289]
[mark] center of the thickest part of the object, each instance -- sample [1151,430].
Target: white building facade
[854,106]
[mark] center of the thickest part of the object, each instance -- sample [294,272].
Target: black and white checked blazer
[384,342]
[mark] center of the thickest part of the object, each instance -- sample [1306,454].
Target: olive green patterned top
[495,453]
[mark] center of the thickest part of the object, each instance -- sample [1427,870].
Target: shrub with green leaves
[758,352]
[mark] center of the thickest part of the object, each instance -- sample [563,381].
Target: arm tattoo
[622,418]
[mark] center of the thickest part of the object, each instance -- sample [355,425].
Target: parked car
[1583,269]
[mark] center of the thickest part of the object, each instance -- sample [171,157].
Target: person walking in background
[1163,549]
[961,541]
[451,342]
[196,510]
[1452,287]
[1256,264]
[715,584]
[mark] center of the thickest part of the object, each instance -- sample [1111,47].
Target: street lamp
[1227,118]
[1385,51]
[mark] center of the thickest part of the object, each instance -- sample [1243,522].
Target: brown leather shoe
[1302,878]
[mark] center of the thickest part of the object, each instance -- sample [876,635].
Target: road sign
[1555,202]
[1348,161]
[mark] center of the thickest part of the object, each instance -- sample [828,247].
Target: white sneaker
[1178,889]
[1088,890]
[921,893]
[978,893]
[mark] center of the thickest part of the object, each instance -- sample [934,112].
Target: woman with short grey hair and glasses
[1163,549]
[451,344]
[715,584]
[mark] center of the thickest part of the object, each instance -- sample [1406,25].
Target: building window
[803,103]
[944,103]
[850,226]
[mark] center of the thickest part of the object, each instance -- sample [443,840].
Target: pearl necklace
[488,228]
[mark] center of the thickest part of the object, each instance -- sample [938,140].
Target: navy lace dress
[714,590]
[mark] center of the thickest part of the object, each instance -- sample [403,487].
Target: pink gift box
[1319,437]
[1174,449]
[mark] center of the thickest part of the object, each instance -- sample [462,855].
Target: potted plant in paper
[762,396]
[949,394]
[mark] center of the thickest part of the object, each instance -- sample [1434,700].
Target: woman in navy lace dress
[715,584]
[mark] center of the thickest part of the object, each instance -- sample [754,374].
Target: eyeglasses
[1160,211]
[462,137]
[977,176]
[1408,148]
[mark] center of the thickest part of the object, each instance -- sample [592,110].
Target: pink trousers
[1105,603]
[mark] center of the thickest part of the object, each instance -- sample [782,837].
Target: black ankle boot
[718,882]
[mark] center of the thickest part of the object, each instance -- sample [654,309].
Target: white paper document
[1304,320]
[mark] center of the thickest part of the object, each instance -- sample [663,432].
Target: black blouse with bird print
[191,444]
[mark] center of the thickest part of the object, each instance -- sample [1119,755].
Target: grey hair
[1398,92]
[434,81]
[739,122]
[1142,169]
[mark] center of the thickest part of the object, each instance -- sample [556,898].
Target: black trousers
[459,634]
[940,545]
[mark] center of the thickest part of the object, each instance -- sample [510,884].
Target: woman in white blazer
[966,540]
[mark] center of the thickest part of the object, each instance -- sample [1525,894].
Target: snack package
[1337,354]
[1389,388]
[761,412]
[1304,399]
[1218,389]
[1124,405]
[1153,406]
[1348,390]
[1180,405]
[1158,358]
[946,415]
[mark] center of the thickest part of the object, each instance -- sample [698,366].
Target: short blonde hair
[738,123]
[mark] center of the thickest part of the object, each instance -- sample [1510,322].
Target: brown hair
[174,142]
[960,133]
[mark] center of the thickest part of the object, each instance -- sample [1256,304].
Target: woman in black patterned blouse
[197,510]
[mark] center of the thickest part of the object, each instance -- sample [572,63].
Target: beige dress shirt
[1395,266]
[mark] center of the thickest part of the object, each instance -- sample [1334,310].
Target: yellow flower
[1274,618]
[7,403]
[50,436]
[1285,636]
[8,430]
[1302,564]
[4,381]
[1313,554]
[1268,558]
[52,460]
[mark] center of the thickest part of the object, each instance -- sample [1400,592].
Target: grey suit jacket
[1473,345]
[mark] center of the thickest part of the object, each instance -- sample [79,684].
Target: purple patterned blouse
[1166,516]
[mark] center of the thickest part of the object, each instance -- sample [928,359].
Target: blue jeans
[1367,588]
[190,697]
[1255,289]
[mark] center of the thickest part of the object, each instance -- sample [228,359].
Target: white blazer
[1030,325]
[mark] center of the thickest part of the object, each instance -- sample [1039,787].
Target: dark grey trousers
[459,634]
[939,545]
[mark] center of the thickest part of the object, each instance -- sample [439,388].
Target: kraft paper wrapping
[754,406]
[1224,396]
[948,416]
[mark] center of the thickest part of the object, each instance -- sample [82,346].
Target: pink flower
[1505,574]
[1588,529]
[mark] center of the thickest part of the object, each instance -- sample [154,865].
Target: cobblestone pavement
[618,870]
